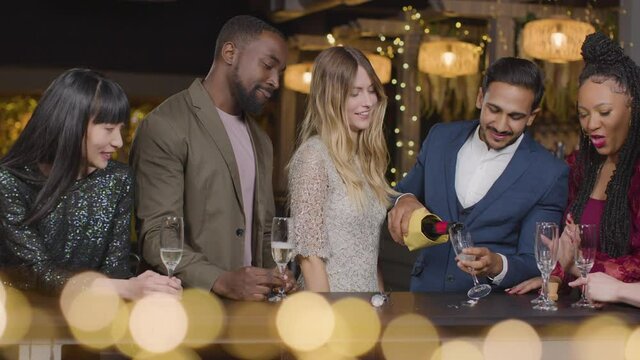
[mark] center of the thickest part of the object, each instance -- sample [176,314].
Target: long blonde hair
[334,72]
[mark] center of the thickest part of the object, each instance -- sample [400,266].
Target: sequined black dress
[88,230]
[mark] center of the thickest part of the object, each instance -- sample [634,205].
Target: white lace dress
[330,226]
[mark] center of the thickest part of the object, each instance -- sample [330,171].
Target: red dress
[626,267]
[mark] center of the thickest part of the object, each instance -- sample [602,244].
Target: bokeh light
[93,309]
[77,285]
[251,331]
[357,327]
[409,336]
[18,316]
[158,323]
[125,344]
[206,317]
[510,337]
[601,337]
[632,350]
[322,353]
[109,335]
[305,321]
[175,354]
[456,350]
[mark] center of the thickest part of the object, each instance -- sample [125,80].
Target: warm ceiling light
[297,77]
[555,40]
[448,58]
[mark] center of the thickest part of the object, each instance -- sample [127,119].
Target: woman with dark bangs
[65,206]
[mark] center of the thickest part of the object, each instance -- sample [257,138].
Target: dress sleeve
[625,268]
[25,258]
[116,263]
[309,188]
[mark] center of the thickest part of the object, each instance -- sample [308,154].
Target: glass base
[584,303]
[479,291]
[276,297]
[538,300]
[546,306]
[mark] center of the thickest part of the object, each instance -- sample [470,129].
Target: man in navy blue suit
[490,175]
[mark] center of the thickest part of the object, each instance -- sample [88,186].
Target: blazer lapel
[516,167]
[450,161]
[207,114]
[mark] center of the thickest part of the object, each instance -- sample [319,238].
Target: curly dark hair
[605,60]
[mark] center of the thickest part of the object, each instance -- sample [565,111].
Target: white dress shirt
[477,169]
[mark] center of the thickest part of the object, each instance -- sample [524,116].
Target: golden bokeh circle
[457,349]
[510,337]
[251,332]
[601,337]
[409,336]
[77,285]
[357,327]
[632,349]
[158,323]
[18,316]
[206,317]
[305,321]
[93,309]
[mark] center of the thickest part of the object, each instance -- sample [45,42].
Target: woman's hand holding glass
[585,255]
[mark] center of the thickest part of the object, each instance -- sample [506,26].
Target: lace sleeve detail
[308,189]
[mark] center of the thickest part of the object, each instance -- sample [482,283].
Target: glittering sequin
[89,229]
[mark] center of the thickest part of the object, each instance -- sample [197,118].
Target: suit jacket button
[450,278]
[239,232]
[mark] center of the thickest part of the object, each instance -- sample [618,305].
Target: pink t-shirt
[238,133]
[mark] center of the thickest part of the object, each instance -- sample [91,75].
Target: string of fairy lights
[470,31]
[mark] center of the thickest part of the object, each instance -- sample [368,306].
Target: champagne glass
[281,248]
[461,239]
[546,252]
[171,241]
[585,254]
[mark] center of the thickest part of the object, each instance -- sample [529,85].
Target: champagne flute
[171,242]
[585,254]
[461,239]
[546,252]
[281,248]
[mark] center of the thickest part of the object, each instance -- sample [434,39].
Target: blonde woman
[338,193]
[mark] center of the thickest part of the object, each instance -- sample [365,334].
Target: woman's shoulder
[312,148]
[9,179]
[118,171]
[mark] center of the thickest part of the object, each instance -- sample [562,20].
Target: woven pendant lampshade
[297,77]
[556,40]
[448,58]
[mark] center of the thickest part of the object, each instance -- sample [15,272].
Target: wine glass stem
[583,296]
[475,279]
[281,269]
[545,286]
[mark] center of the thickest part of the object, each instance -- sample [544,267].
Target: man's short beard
[247,100]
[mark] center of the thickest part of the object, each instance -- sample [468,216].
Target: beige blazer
[184,165]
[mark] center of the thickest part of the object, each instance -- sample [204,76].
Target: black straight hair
[55,134]
[517,72]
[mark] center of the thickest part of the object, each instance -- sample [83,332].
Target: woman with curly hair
[604,182]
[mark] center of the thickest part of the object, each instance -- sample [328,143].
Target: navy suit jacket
[532,188]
